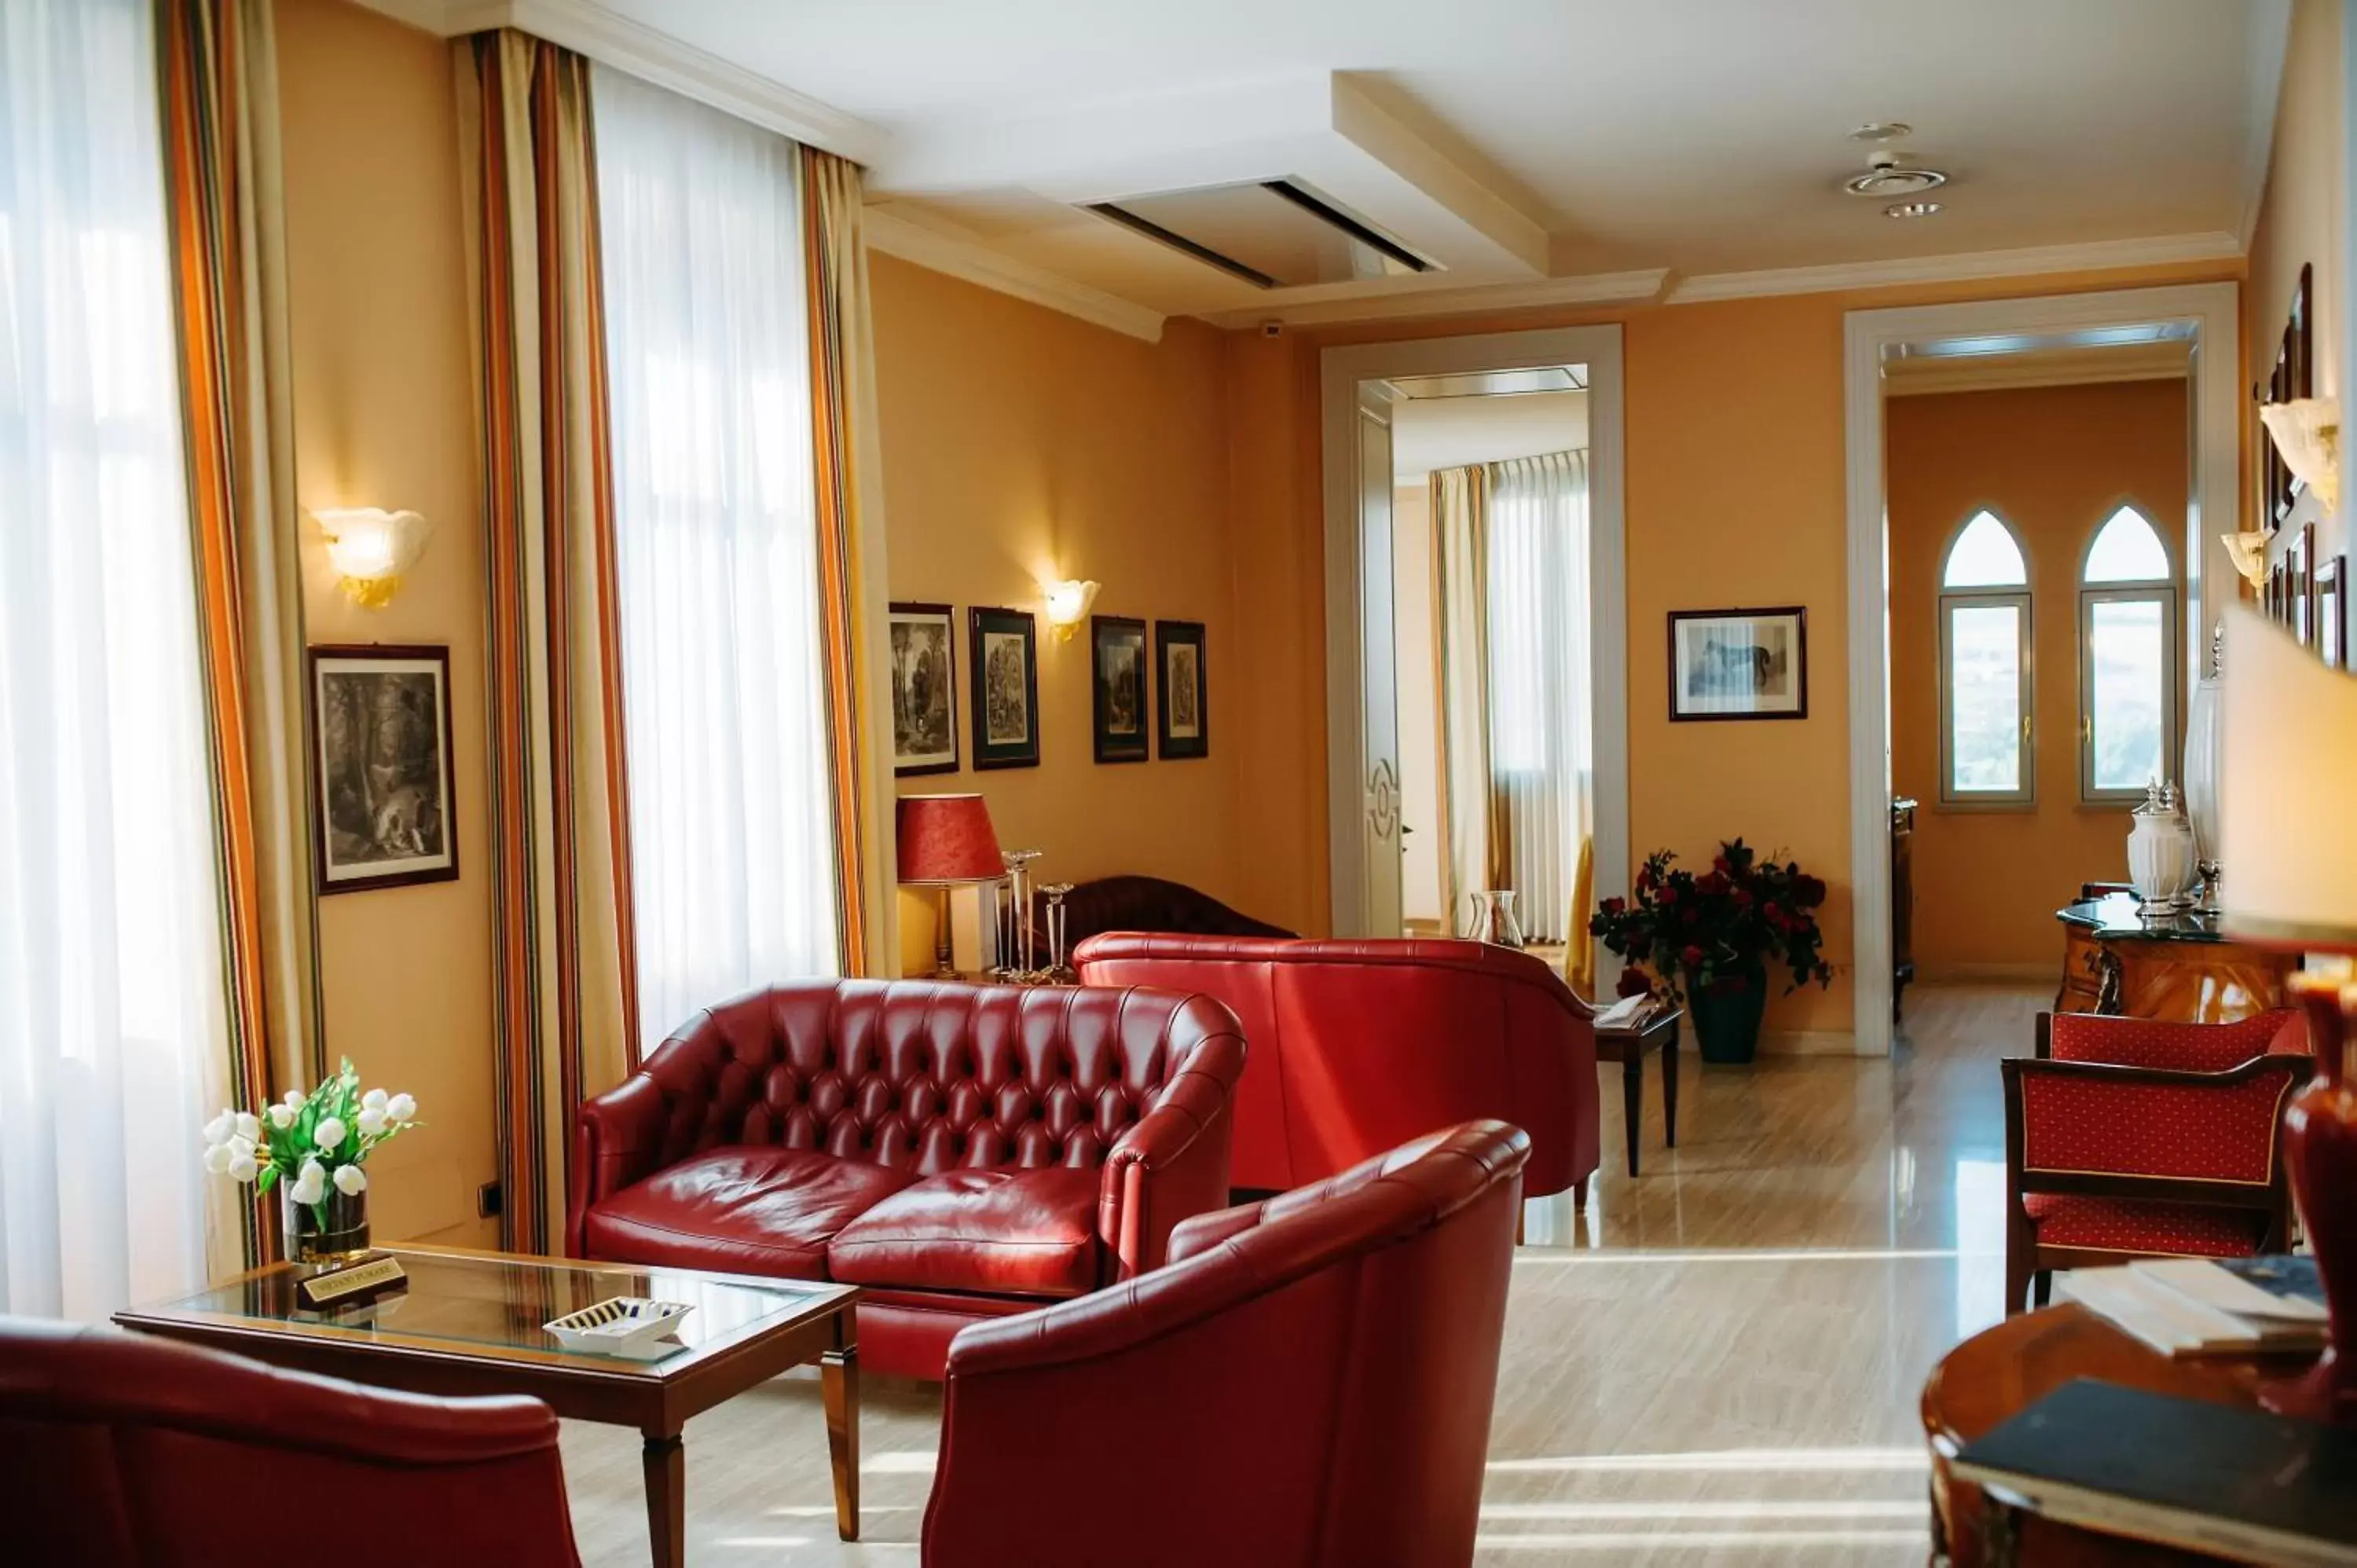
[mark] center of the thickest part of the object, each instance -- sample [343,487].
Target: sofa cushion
[1002,1233]
[744,1211]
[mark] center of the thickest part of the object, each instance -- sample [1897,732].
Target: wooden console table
[2178,967]
[1997,1374]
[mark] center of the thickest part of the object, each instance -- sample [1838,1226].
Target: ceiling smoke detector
[1885,176]
[1881,131]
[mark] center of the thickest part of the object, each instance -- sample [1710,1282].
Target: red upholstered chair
[1359,1045]
[1307,1384]
[961,1151]
[2134,1137]
[122,1451]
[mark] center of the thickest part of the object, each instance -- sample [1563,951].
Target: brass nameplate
[354,1281]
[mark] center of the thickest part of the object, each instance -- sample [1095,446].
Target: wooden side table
[2000,1372]
[1628,1045]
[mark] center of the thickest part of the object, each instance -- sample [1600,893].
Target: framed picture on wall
[924,690]
[2276,597]
[2331,627]
[2299,606]
[2294,377]
[1006,653]
[382,818]
[1117,676]
[1182,716]
[1739,663]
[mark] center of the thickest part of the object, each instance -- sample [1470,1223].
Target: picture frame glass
[1004,650]
[1738,664]
[382,718]
[1182,695]
[924,690]
[1119,670]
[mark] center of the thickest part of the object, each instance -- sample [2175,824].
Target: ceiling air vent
[1272,233]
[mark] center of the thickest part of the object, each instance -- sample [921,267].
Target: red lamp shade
[948,838]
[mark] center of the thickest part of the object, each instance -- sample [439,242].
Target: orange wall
[1735,495]
[384,416]
[2301,221]
[1020,445]
[2054,462]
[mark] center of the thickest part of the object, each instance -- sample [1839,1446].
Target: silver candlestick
[1054,892]
[1016,957]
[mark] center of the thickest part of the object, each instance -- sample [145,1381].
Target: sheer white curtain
[708,361]
[1540,734]
[112,1034]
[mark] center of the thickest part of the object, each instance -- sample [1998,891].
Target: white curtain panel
[1540,756]
[113,1035]
[732,855]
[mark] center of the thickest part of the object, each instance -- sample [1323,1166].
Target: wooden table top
[1997,1373]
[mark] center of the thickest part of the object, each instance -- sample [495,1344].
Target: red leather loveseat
[1359,1045]
[1308,1384]
[122,1451]
[960,1152]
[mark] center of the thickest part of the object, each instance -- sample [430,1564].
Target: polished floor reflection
[1718,1363]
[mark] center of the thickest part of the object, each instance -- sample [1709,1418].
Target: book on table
[2194,1306]
[2225,1479]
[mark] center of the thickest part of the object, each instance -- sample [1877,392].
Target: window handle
[2087,729]
[2024,729]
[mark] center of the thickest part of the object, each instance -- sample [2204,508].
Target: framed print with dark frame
[2299,606]
[1117,679]
[1182,715]
[1005,655]
[924,690]
[381,714]
[1739,663]
[2332,629]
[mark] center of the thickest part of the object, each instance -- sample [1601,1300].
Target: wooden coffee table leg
[839,1383]
[1670,1087]
[1633,1098]
[666,1466]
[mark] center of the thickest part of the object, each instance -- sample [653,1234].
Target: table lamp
[2289,834]
[946,841]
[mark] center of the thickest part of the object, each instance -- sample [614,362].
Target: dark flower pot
[1726,1021]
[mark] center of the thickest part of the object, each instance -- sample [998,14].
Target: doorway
[1510,755]
[2203,322]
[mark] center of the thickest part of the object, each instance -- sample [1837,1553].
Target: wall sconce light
[1068,605]
[370,548]
[2307,432]
[2249,553]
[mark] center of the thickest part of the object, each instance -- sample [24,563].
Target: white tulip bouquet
[309,1141]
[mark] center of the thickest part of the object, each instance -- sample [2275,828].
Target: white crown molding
[978,263]
[2095,256]
[1595,288]
[615,40]
[2270,47]
[1931,376]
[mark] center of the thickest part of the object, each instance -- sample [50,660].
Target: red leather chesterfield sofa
[122,1451]
[1307,1384]
[1359,1045]
[961,1151]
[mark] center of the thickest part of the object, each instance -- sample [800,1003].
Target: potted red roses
[1708,940]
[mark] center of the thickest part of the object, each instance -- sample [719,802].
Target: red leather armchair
[123,1449]
[1307,1384]
[960,1152]
[2135,1137]
[1359,1045]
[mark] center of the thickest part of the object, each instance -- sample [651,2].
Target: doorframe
[1340,371]
[2213,505]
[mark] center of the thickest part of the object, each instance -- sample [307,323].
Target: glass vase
[334,1230]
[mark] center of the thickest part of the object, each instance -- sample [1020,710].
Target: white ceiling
[1538,148]
[1448,432]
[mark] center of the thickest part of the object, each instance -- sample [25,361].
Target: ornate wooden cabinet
[2174,966]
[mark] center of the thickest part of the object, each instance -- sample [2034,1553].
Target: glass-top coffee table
[469,1323]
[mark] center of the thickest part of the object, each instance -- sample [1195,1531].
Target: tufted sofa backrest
[926,1076]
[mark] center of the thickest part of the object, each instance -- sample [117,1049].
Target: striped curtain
[220,95]
[564,991]
[1479,851]
[851,565]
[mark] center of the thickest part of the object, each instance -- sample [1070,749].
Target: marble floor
[1716,1363]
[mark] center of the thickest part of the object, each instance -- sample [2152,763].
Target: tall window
[111,1022]
[732,850]
[2128,659]
[1988,737]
